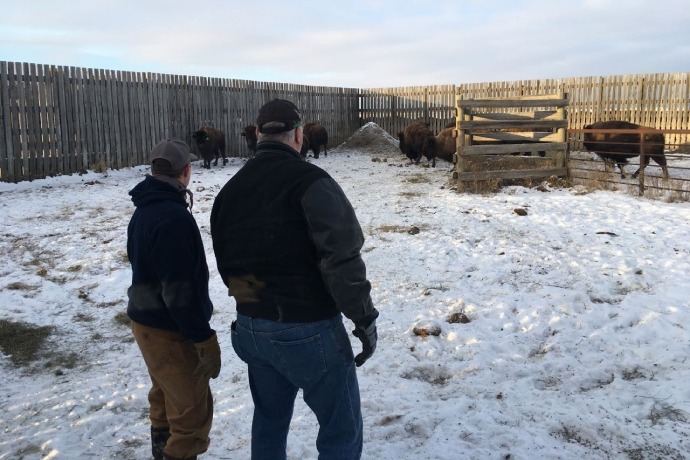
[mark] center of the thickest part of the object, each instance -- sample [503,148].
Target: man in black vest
[287,244]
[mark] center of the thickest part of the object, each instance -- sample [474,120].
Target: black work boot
[159,438]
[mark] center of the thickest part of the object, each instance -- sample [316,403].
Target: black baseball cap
[284,114]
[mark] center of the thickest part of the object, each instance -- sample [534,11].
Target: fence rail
[62,120]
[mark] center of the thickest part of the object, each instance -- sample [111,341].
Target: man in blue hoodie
[170,307]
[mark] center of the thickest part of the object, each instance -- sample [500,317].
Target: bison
[416,141]
[618,148]
[316,136]
[450,124]
[446,144]
[211,144]
[249,134]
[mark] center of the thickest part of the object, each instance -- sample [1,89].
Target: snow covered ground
[576,346]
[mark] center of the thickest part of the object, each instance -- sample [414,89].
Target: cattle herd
[417,141]
[211,142]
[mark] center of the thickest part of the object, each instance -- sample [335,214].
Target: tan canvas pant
[177,399]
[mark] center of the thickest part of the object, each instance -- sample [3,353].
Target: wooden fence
[394,108]
[659,101]
[62,120]
[490,133]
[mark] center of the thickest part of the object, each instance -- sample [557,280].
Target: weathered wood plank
[509,103]
[43,130]
[526,136]
[511,124]
[502,149]
[7,172]
[33,120]
[23,117]
[510,175]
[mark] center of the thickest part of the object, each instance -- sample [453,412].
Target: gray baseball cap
[175,151]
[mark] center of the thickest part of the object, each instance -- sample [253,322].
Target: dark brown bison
[446,144]
[618,148]
[316,136]
[211,144]
[417,141]
[249,134]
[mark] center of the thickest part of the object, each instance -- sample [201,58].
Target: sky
[576,344]
[359,44]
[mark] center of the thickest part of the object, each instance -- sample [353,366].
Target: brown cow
[416,140]
[211,144]
[316,136]
[618,148]
[249,134]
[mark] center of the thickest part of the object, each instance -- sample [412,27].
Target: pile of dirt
[372,139]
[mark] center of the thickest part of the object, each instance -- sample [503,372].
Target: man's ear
[299,136]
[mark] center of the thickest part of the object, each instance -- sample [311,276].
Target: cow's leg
[608,164]
[661,161]
[641,168]
[620,166]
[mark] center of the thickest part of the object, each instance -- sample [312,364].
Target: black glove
[367,335]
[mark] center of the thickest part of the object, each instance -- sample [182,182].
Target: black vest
[261,237]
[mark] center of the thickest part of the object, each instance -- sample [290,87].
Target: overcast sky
[374,43]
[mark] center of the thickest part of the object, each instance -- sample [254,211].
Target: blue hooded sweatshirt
[169,272]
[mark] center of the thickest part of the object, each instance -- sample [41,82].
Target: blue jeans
[315,357]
